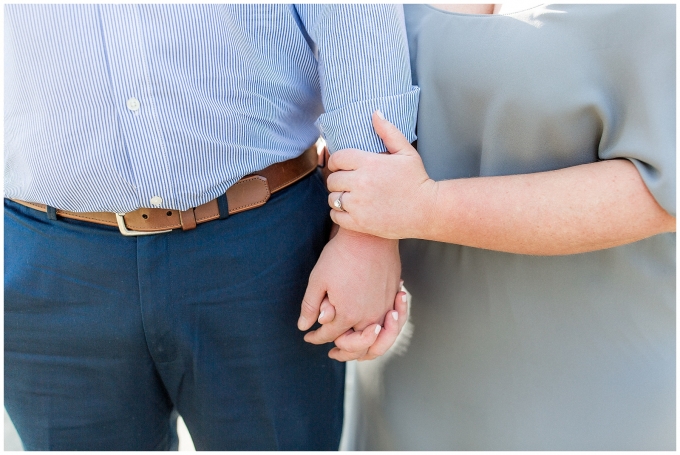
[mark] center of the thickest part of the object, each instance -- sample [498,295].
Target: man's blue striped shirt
[110,106]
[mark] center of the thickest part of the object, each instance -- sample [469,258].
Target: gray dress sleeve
[640,124]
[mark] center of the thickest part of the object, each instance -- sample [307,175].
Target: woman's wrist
[424,224]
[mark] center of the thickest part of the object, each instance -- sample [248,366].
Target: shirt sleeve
[641,69]
[363,64]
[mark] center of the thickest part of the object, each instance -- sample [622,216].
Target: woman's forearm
[572,210]
[566,211]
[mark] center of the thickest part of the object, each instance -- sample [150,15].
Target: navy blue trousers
[106,336]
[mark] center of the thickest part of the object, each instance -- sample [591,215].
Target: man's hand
[359,274]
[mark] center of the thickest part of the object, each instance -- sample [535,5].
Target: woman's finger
[341,181]
[344,356]
[401,305]
[358,341]
[391,330]
[394,140]
[344,220]
[327,311]
[345,160]
[345,200]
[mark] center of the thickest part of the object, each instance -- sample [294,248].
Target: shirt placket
[136,106]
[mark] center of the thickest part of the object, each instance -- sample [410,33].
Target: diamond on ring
[338,202]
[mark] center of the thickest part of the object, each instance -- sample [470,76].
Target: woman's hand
[374,340]
[384,195]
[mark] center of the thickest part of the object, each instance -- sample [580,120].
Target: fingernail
[301,321]
[401,283]
[377,329]
[403,298]
[379,114]
[395,315]
[321,315]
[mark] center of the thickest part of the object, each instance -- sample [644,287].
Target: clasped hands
[354,289]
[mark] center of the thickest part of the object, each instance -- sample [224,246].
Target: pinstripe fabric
[223,90]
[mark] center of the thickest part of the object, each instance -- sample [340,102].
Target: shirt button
[156,201]
[133,104]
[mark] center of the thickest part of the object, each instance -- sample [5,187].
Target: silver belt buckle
[128,233]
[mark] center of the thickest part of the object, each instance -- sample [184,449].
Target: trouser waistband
[249,192]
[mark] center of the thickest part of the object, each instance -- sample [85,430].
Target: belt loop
[223,206]
[51,213]
[188,219]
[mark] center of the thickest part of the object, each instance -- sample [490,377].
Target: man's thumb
[394,141]
[309,311]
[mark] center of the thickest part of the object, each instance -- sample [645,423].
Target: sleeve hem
[351,126]
[662,189]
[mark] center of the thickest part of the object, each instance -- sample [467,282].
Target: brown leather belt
[248,193]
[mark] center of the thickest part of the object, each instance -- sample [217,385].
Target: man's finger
[327,312]
[394,140]
[359,341]
[309,311]
[326,333]
[344,356]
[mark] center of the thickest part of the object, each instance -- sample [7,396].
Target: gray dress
[521,352]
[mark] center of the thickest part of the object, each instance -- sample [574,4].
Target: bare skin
[573,210]
[359,275]
[371,342]
[344,302]
[467,9]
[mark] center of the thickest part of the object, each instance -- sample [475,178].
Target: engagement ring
[338,202]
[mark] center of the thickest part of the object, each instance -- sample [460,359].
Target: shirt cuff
[351,126]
